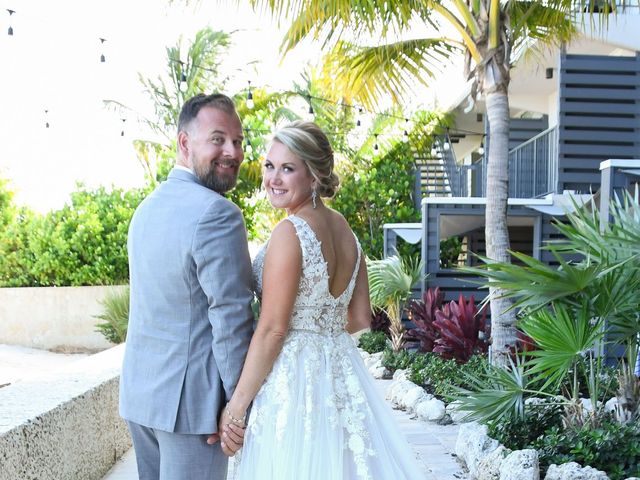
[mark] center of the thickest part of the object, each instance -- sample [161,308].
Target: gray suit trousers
[176,456]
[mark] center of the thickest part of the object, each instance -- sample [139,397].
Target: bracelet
[237,421]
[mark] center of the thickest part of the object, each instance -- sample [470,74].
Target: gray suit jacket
[190,319]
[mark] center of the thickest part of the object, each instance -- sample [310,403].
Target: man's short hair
[192,106]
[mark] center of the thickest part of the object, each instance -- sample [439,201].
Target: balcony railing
[533,167]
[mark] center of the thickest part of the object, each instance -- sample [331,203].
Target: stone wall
[64,425]
[53,318]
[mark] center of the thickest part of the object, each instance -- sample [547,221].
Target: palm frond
[369,73]
[391,279]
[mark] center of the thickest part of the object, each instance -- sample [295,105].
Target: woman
[316,413]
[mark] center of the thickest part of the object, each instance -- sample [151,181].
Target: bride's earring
[314,195]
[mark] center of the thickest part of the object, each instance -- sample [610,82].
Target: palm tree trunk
[503,333]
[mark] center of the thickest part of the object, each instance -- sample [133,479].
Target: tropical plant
[380,321]
[115,315]
[372,342]
[461,329]
[390,283]
[489,32]
[443,377]
[422,314]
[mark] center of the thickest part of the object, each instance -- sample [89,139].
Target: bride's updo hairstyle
[308,142]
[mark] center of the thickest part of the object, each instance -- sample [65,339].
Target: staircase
[433,178]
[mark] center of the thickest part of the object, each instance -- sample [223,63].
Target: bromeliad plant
[461,330]
[423,315]
[390,283]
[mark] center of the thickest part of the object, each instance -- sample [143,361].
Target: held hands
[230,433]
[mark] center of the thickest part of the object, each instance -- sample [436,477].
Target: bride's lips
[277,191]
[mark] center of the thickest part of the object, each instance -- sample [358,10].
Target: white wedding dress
[318,416]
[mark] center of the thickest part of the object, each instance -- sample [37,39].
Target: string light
[375,146]
[122,132]
[247,147]
[405,135]
[46,119]
[311,112]
[358,120]
[481,148]
[10,31]
[102,57]
[250,103]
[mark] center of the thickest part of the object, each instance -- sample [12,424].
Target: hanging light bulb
[10,30]
[375,145]
[46,119]
[481,148]
[359,120]
[434,151]
[247,147]
[250,103]
[311,112]
[405,136]
[102,57]
[122,132]
[446,145]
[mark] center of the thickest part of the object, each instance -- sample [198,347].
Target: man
[190,319]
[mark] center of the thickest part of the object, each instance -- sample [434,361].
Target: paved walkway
[434,445]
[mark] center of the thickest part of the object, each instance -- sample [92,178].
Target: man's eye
[217,140]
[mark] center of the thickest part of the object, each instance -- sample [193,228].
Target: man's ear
[183,145]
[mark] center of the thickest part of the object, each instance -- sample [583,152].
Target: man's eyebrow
[223,133]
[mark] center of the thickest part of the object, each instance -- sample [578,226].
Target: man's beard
[209,179]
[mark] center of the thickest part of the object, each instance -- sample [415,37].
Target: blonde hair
[308,142]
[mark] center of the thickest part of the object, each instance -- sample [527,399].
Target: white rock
[457,415]
[364,354]
[377,372]
[397,390]
[489,466]
[400,374]
[611,405]
[573,471]
[520,465]
[412,398]
[473,444]
[431,410]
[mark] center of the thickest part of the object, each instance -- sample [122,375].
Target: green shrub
[441,376]
[115,315]
[398,360]
[517,434]
[83,243]
[373,342]
[611,447]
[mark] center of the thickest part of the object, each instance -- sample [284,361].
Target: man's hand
[232,438]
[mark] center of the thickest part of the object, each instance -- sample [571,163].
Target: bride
[316,414]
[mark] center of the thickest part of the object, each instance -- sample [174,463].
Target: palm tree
[489,31]
[390,283]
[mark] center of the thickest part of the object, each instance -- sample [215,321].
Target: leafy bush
[519,433]
[611,447]
[443,377]
[460,325]
[84,243]
[115,315]
[373,342]
[423,313]
[398,360]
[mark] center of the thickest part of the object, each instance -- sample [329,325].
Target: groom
[190,319]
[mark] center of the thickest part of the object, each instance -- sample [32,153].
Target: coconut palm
[489,31]
[390,284]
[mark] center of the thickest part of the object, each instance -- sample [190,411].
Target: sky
[52,63]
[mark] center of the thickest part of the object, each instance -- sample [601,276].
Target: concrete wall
[52,318]
[65,425]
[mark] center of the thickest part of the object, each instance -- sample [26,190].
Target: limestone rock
[489,466]
[473,444]
[413,397]
[520,465]
[573,471]
[430,410]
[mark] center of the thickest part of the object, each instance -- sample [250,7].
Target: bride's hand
[231,433]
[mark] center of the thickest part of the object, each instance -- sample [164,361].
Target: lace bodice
[315,308]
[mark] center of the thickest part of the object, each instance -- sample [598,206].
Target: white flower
[356,444]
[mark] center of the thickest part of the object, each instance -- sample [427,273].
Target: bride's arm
[280,279]
[359,312]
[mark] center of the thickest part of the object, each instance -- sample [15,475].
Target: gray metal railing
[533,167]
[456,174]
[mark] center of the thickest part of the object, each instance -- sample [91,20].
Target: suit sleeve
[224,271]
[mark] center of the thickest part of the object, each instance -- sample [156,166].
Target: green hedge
[83,243]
